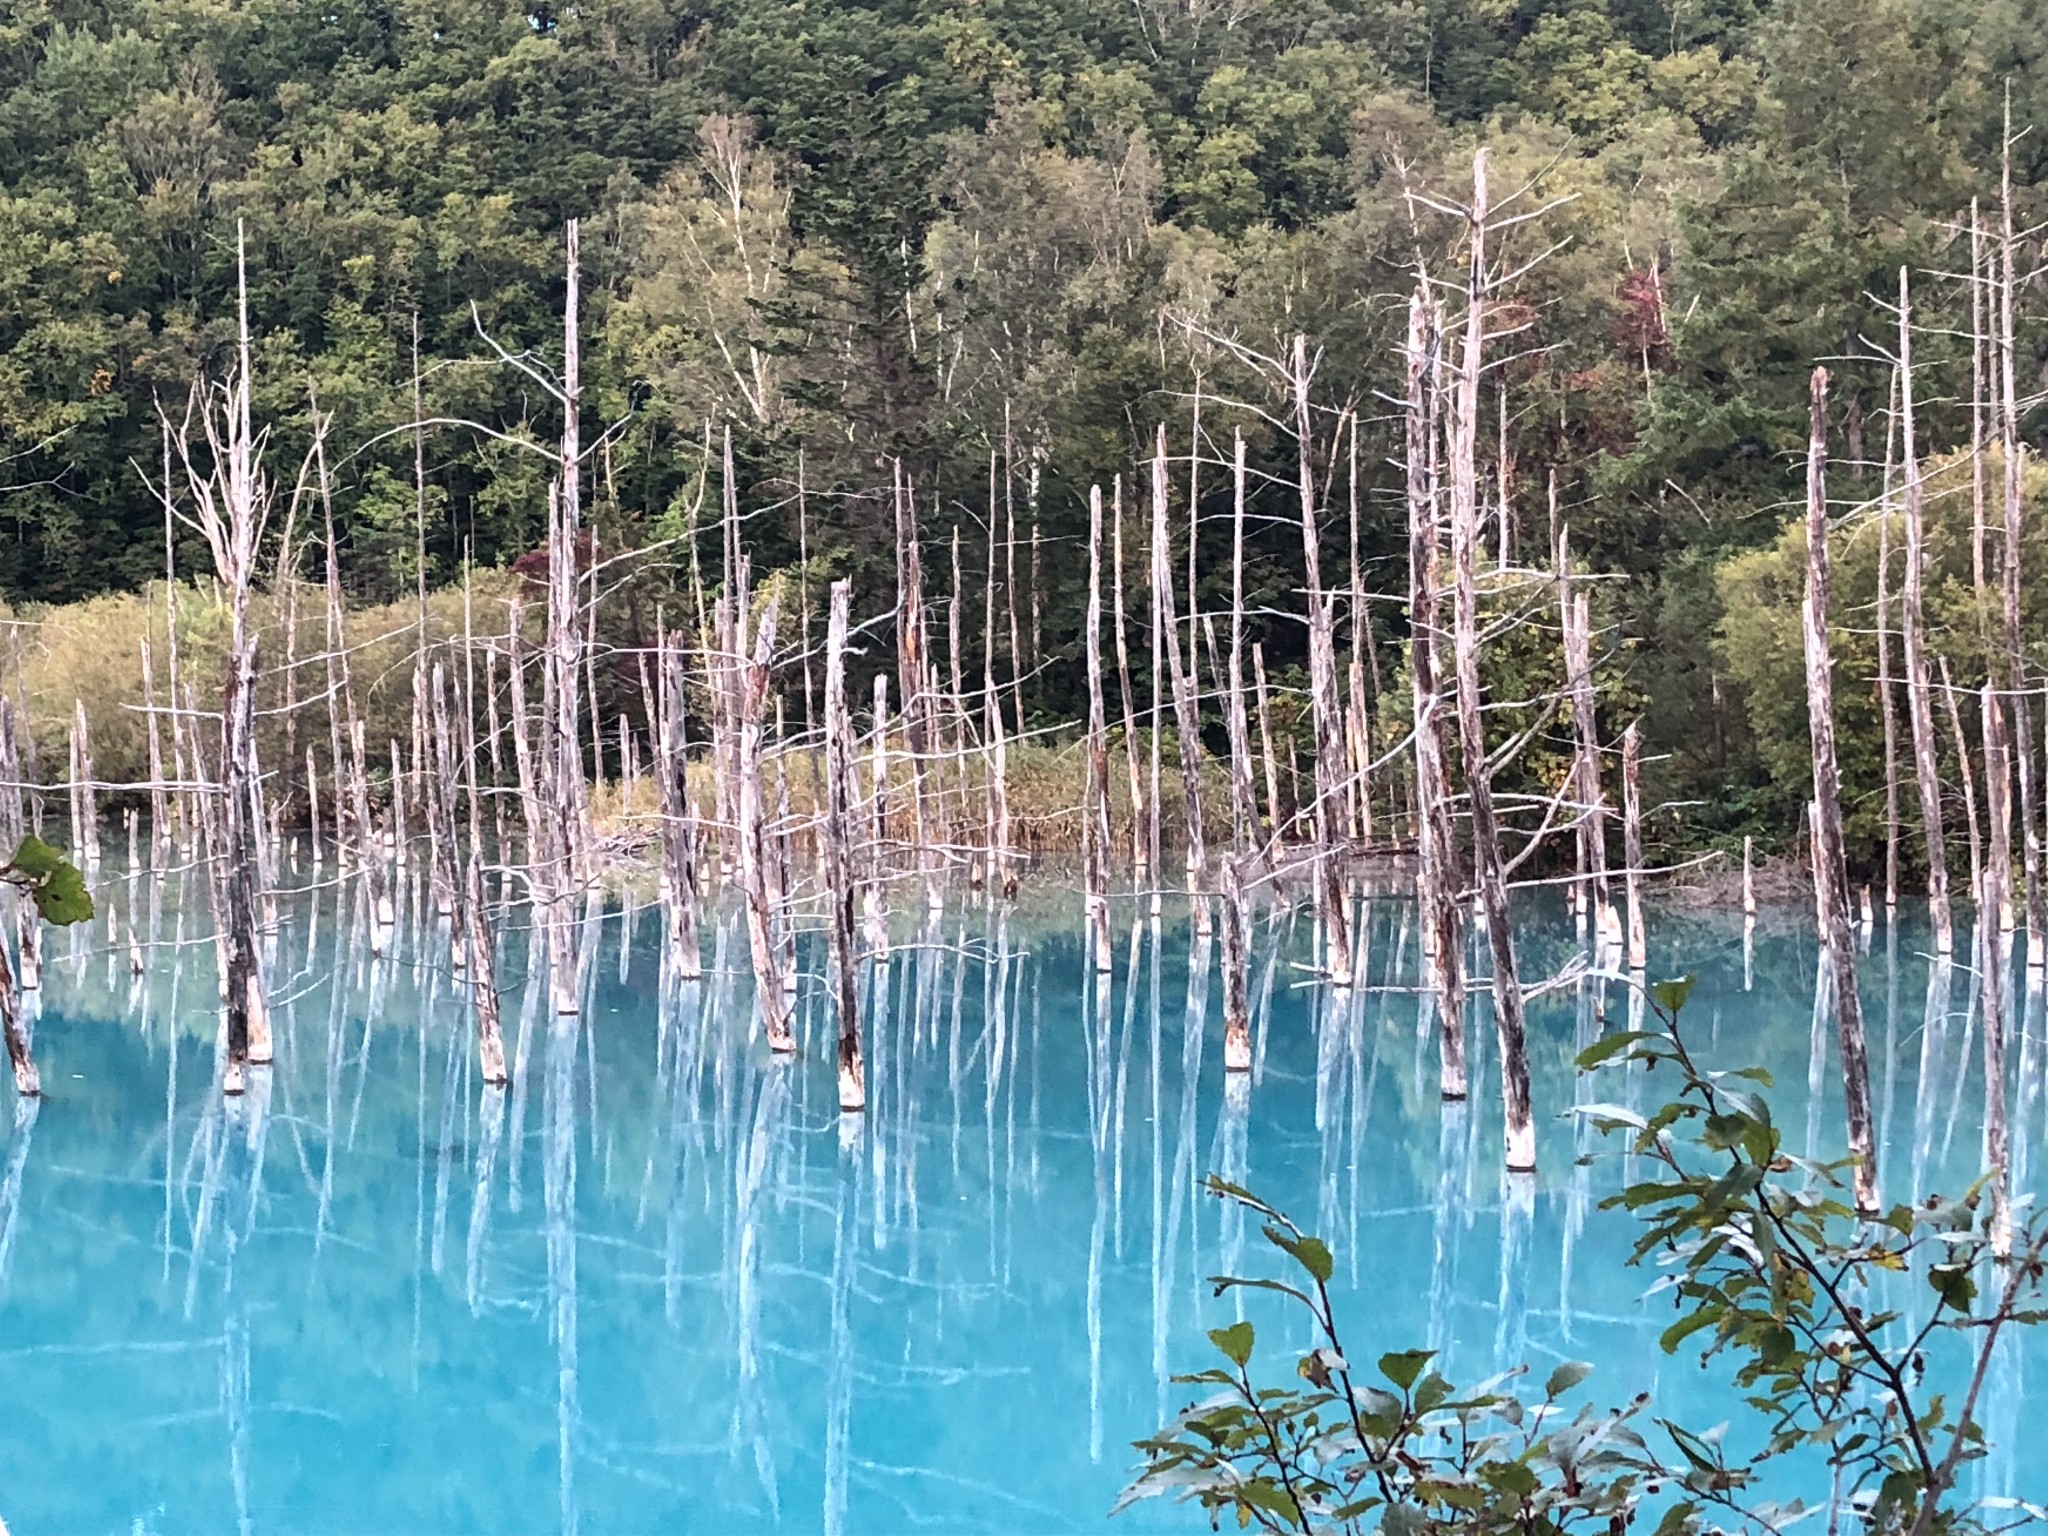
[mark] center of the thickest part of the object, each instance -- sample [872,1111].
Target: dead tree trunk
[1632,844]
[483,964]
[1237,1027]
[1919,691]
[1979,384]
[27,1081]
[181,803]
[1095,812]
[874,917]
[678,829]
[1831,872]
[841,889]
[13,823]
[1991,899]
[1363,689]
[1274,824]
[2021,740]
[1965,772]
[1186,717]
[1439,878]
[472,917]
[995,747]
[159,796]
[1576,618]
[565,573]
[910,659]
[1887,697]
[1243,796]
[763,919]
[231,501]
[1141,839]
[439,808]
[1520,1127]
[1326,708]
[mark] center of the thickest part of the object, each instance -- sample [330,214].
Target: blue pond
[660,1285]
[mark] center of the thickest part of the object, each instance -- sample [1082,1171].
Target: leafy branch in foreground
[1408,1452]
[58,890]
[51,881]
[1840,1330]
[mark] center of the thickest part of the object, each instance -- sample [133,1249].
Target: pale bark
[1186,716]
[27,1081]
[1991,898]
[1632,845]
[1831,873]
[756,872]
[678,825]
[1439,874]
[2021,736]
[1243,796]
[1887,697]
[1919,690]
[1095,810]
[1520,1127]
[231,500]
[1326,710]
[1267,756]
[1965,772]
[841,889]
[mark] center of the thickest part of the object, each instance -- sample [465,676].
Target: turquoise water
[660,1285]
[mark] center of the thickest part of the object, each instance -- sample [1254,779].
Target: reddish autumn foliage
[532,567]
[1639,329]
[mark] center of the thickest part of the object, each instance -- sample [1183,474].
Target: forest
[988,249]
[829,574]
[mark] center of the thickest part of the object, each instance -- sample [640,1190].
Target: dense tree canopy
[997,240]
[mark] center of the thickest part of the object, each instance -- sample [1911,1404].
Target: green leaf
[1455,1495]
[1687,1326]
[1235,1342]
[1671,995]
[1222,1283]
[1611,1117]
[1314,1256]
[53,883]
[1722,1132]
[1405,1367]
[1223,1189]
[1309,1252]
[1510,1477]
[1607,1047]
[1565,1377]
[1269,1496]
[1952,1283]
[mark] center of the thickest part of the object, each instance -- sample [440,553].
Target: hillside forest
[984,249]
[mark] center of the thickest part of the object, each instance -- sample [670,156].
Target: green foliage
[1761,648]
[52,881]
[860,234]
[1766,1267]
[1410,1453]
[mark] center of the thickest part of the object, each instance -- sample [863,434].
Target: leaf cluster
[1829,1317]
[51,881]
[1842,1331]
[1401,1448]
